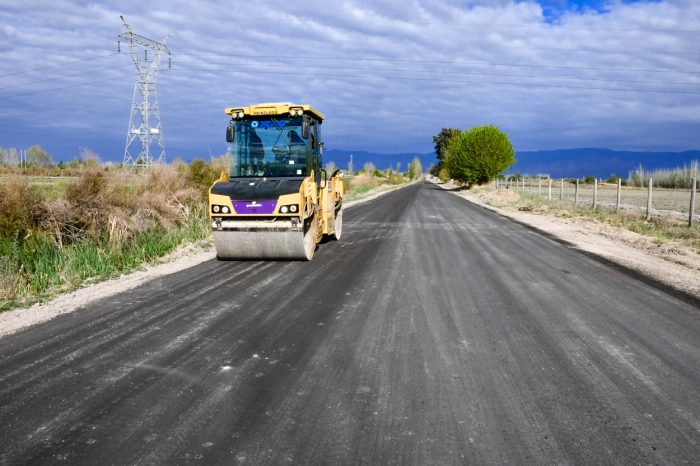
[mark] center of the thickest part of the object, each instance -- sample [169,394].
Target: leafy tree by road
[441,142]
[415,169]
[38,157]
[477,155]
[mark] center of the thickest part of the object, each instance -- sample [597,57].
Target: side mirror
[230,134]
[305,128]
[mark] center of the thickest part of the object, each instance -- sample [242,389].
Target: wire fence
[649,200]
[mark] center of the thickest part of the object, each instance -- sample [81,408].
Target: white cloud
[388,75]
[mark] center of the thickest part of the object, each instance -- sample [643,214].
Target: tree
[442,142]
[38,157]
[415,169]
[478,154]
[10,157]
[89,157]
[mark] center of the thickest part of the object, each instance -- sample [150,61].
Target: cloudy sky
[387,74]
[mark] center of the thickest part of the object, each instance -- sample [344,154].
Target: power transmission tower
[144,124]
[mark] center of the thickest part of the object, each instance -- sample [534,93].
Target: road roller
[277,201]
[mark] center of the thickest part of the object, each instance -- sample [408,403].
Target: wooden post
[651,182]
[561,189]
[595,193]
[619,194]
[549,195]
[576,194]
[692,202]
[539,187]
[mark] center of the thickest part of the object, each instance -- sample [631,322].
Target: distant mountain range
[558,163]
[600,163]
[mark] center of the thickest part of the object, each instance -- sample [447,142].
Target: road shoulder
[675,273]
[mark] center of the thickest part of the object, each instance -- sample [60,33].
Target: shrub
[18,207]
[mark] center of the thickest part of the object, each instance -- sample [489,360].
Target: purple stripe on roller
[254,207]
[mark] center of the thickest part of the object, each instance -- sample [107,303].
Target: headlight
[225,209]
[240,114]
[284,209]
[215,209]
[293,208]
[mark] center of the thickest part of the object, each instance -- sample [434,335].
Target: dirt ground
[670,263]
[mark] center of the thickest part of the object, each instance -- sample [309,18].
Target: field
[664,200]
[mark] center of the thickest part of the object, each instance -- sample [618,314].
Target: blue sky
[388,74]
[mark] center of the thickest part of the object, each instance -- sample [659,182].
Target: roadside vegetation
[371,179]
[68,224]
[660,229]
[472,157]
[95,224]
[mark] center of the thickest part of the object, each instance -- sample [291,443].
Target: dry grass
[103,223]
[658,228]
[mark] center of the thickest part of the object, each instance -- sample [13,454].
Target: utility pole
[145,130]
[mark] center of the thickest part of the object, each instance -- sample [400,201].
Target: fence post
[549,195]
[595,193]
[561,189]
[651,182]
[576,194]
[692,202]
[539,187]
[619,194]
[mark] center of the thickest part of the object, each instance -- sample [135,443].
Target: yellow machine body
[276,202]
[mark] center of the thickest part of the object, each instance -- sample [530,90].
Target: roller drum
[253,240]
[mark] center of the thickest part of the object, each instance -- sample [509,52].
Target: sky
[387,74]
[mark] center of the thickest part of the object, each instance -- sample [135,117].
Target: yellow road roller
[277,202]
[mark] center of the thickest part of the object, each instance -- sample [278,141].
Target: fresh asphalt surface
[435,332]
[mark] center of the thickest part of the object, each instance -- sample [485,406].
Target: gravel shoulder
[183,258]
[671,264]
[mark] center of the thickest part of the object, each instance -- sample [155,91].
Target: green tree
[589,179]
[479,154]
[415,169]
[38,157]
[442,142]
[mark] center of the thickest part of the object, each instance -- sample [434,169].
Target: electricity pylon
[144,123]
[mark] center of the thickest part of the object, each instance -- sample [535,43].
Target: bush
[202,174]
[477,155]
[18,207]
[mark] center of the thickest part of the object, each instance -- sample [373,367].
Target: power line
[445,24]
[68,86]
[558,86]
[597,51]
[535,76]
[452,62]
[57,78]
[57,65]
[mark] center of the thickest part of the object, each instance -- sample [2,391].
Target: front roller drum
[251,240]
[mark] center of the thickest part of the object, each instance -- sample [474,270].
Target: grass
[36,268]
[56,235]
[661,229]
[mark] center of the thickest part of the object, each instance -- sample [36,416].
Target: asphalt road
[435,332]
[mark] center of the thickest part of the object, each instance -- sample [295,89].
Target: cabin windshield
[269,147]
